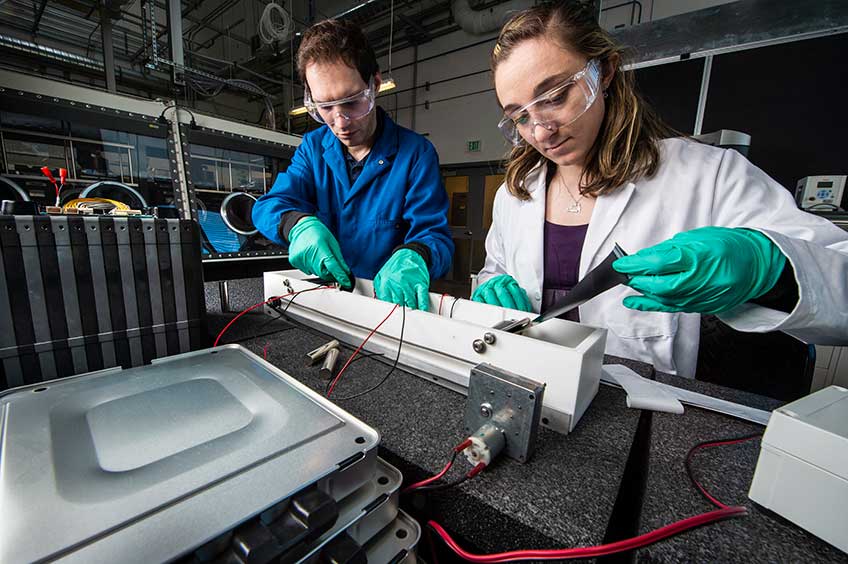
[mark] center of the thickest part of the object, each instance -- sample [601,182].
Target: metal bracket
[508,401]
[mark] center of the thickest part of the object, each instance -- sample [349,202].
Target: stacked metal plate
[209,456]
[79,294]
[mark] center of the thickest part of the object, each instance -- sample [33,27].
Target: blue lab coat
[398,198]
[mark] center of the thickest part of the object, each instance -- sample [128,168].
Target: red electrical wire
[676,528]
[260,304]
[457,449]
[432,479]
[708,444]
[265,351]
[440,303]
[356,352]
[593,551]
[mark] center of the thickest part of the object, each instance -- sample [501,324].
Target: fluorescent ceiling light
[386,85]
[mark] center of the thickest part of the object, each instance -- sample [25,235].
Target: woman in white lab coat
[593,166]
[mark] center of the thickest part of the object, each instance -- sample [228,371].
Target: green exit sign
[472,146]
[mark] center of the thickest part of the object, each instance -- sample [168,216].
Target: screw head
[479,346]
[486,410]
[489,338]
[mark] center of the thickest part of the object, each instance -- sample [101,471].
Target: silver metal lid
[219,433]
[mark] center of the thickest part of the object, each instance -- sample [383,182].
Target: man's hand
[404,280]
[314,250]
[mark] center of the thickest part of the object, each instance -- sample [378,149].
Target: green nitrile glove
[314,250]
[706,270]
[502,291]
[404,280]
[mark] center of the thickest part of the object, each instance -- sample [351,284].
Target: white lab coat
[696,186]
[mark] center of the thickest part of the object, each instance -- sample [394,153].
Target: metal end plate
[509,401]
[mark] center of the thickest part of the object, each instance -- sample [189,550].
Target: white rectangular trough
[438,345]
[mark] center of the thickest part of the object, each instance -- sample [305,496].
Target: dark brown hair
[626,147]
[331,41]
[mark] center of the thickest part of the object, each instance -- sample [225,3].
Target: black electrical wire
[425,487]
[452,306]
[440,487]
[291,299]
[391,370]
[360,356]
[176,114]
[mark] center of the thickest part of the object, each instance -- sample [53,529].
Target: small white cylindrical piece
[486,444]
[318,354]
[329,365]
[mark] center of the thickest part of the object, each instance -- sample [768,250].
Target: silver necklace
[575,207]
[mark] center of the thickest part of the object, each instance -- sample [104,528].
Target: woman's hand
[706,270]
[502,291]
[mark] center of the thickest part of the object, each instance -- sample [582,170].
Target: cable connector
[487,442]
[477,469]
[463,445]
[275,302]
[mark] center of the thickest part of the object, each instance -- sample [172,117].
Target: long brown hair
[626,147]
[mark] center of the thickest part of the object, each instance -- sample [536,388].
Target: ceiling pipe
[28,47]
[487,20]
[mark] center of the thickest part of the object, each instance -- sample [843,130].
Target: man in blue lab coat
[362,195]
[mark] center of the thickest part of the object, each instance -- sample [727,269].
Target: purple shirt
[563,246]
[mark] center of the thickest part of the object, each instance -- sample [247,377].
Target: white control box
[802,473]
[824,192]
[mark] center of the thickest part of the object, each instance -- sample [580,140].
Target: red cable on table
[593,551]
[456,450]
[694,449]
[356,352]
[676,528]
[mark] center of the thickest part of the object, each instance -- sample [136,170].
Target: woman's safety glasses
[558,107]
[350,108]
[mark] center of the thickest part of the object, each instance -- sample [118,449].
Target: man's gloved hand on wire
[502,291]
[404,280]
[314,250]
[705,270]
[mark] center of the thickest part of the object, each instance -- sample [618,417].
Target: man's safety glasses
[560,106]
[351,108]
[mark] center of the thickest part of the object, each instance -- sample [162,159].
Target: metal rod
[175,36]
[108,51]
[38,15]
[224,294]
[449,52]
[414,84]
[702,97]
[5,158]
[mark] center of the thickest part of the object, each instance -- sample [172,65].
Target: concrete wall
[451,124]
[652,10]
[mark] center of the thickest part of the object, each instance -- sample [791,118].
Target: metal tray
[97,465]
[365,512]
[396,543]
